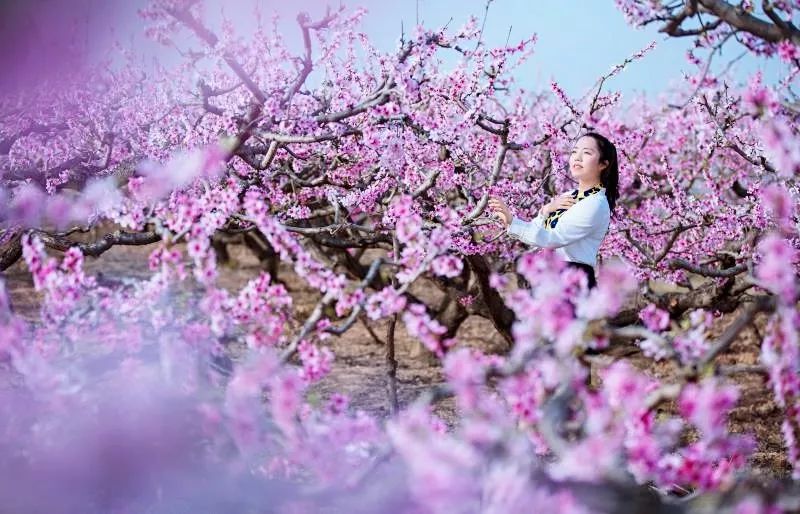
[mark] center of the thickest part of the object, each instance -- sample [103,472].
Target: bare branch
[95,249]
[311,138]
[306,26]
[667,247]
[430,180]
[639,246]
[749,23]
[10,252]
[331,229]
[381,98]
[705,271]
[764,303]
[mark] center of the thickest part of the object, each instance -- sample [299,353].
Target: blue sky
[578,39]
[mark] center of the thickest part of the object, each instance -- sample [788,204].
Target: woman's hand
[562,201]
[500,210]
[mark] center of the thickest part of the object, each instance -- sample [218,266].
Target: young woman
[575,222]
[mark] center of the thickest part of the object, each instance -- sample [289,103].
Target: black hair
[609,176]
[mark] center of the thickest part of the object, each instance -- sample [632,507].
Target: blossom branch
[211,39]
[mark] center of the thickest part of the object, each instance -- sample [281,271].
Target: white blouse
[577,235]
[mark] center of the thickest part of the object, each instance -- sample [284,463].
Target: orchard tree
[367,172]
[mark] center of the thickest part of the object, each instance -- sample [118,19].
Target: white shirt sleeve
[588,217]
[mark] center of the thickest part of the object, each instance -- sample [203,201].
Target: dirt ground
[359,367]
[756,413]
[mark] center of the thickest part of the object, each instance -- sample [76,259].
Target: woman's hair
[609,177]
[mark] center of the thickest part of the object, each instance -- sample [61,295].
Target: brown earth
[359,367]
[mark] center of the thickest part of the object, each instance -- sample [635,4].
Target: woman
[576,222]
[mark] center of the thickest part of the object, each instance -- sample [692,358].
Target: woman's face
[584,161]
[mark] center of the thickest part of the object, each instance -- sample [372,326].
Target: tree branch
[705,271]
[749,23]
[95,249]
[765,303]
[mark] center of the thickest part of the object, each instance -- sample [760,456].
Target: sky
[578,40]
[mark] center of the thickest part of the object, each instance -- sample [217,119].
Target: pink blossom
[427,330]
[337,403]
[316,361]
[706,405]
[466,301]
[759,98]
[782,147]
[25,208]
[776,270]
[625,388]
[346,302]
[464,369]
[654,318]
[615,282]
[787,50]
[384,303]
[692,345]
[447,266]
[408,227]
[286,391]
[781,205]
